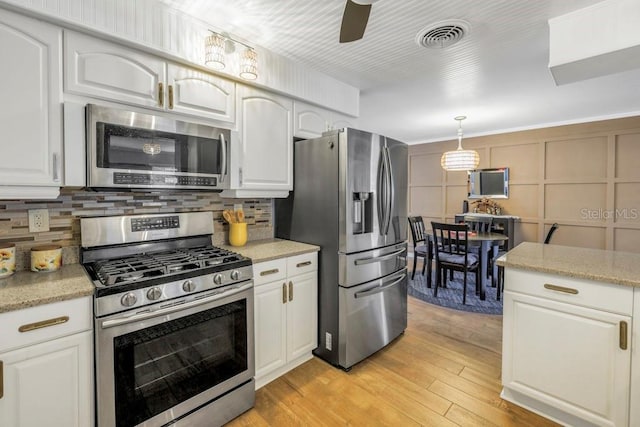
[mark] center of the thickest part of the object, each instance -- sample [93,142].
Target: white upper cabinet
[200,94]
[109,71]
[262,161]
[31,108]
[105,70]
[311,121]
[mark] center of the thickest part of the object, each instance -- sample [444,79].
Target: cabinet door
[270,326]
[302,315]
[200,94]
[105,70]
[266,157]
[49,384]
[568,357]
[31,107]
[339,121]
[309,121]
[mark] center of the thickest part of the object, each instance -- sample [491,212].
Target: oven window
[161,366]
[121,147]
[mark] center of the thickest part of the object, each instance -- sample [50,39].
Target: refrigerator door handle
[381,288]
[371,260]
[380,190]
[390,192]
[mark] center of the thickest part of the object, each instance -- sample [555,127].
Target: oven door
[133,150]
[157,365]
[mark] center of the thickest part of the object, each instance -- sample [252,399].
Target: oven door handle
[224,293]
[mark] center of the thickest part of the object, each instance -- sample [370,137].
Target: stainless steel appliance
[173,321]
[350,198]
[129,149]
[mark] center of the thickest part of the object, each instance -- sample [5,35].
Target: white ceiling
[497,75]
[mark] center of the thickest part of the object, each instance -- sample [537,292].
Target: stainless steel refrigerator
[350,198]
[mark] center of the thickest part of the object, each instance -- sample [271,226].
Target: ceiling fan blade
[354,21]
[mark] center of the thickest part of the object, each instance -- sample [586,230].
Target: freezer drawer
[371,316]
[361,267]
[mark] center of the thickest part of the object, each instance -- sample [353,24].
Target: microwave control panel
[156,179]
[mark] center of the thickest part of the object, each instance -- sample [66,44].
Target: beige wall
[585,177]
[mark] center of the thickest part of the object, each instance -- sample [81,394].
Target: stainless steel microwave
[132,150]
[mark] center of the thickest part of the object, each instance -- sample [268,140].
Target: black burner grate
[156,264]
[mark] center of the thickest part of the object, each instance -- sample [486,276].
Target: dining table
[488,243]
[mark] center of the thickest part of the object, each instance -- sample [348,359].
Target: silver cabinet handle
[56,168]
[303,264]
[371,260]
[560,289]
[160,94]
[171,97]
[290,290]
[284,293]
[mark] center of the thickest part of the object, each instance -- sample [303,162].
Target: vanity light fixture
[215,55]
[460,159]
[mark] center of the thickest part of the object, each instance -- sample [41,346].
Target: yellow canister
[7,259]
[238,233]
[46,258]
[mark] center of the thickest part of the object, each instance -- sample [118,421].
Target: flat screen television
[489,183]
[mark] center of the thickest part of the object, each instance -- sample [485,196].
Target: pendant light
[460,159]
[216,55]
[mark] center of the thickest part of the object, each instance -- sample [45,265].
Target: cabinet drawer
[300,264]
[587,293]
[269,271]
[45,322]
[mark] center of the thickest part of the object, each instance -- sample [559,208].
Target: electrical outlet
[38,220]
[237,207]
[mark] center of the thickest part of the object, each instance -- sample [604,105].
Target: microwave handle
[223,148]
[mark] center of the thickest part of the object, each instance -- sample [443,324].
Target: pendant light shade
[460,159]
[249,64]
[215,55]
[214,52]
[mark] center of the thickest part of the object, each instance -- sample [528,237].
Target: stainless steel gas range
[173,321]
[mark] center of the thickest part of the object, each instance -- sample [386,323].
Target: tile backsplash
[65,213]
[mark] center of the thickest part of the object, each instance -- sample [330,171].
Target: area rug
[451,296]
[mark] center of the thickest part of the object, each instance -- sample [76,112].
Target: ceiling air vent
[443,34]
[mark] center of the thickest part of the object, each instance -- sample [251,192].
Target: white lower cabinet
[47,369]
[286,314]
[566,348]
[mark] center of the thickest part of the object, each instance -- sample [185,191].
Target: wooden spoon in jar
[240,216]
[227,216]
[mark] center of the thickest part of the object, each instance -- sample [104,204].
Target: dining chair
[450,243]
[419,236]
[480,224]
[499,277]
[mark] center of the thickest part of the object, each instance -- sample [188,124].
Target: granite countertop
[269,249]
[622,268]
[27,289]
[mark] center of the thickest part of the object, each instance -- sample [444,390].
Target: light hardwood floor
[443,371]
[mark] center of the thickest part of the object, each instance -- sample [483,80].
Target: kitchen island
[571,322]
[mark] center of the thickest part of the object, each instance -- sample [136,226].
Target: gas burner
[216,261]
[132,276]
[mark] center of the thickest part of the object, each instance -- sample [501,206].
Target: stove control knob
[128,299]
[217,279]
[154,293]
[235,275]
[188,286]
